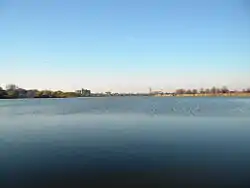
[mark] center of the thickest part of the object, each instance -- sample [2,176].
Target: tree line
[12,92]
[213,90]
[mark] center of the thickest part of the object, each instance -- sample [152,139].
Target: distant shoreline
[206,95]
[14,92]
[162,96]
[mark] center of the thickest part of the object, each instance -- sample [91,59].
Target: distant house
[31,93]
[108,93]
[156,93]
[22,93]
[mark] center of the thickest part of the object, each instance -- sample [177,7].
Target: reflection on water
[121,142]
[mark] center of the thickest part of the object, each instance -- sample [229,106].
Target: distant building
[150,90]
[156,93]
[108,93]
[31,93]
[84,92]
[22,93]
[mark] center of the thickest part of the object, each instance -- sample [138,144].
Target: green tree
[71,94]
[46,94]
[12,94]
[58,94]
[38,94]
[2,93]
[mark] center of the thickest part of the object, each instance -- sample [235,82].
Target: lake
[125,142]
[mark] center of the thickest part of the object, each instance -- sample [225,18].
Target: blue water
[125,142]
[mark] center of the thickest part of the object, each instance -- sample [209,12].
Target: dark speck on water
[125,142]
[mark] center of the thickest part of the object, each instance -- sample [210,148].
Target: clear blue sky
[124,45]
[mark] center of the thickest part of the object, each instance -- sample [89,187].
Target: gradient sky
[125,45]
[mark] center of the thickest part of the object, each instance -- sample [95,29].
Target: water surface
[125,141]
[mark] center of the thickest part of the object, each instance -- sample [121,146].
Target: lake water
[125,142]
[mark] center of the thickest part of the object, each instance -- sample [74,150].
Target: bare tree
[11,87]
[201,91]
[207,91]
[214,90]
[194,91]
[188,91]
[180,91]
